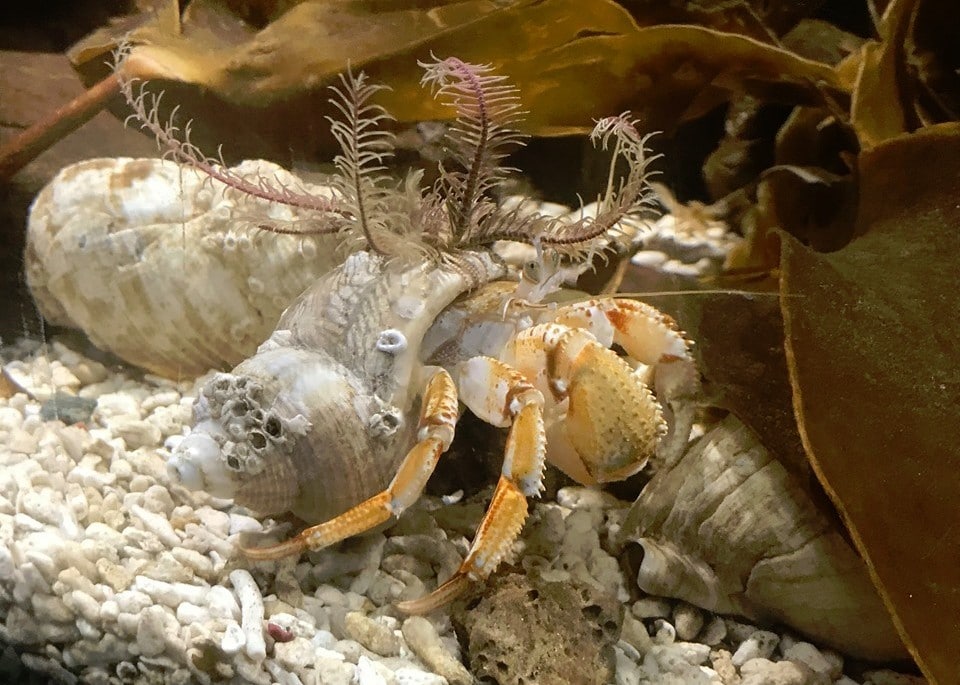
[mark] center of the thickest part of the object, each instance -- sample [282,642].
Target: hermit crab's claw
[665,363]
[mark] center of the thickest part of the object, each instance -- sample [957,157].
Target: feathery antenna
[175,144]
[487,107]
[632,196]
[458,212]
[364,147]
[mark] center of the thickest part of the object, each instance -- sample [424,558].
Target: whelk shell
[726,528]
[163,266]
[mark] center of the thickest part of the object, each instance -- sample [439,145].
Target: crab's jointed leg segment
[500,395]
[438,418]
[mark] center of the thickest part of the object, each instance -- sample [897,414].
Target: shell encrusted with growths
[344,411]
[166,267]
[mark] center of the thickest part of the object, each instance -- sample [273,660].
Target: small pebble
[761,644]
[243,524]
[634,633]
[151,631]
[722,663]
[251,611]
[373,635]
[688,620]
[412,676]
[68,408]
[136,433]
[761,671]
[887,677]
[234,639]
[651,607]
[663,632]
[714,632]
[806,653]
[422,638]
[294,654]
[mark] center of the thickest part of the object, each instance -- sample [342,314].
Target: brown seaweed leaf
[871,339]
[880,108]
[756,18]
[933,58]
[572,66]
[665,75]
[740,349]
[308,45]
[910,77]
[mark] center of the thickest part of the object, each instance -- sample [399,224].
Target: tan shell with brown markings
[726,528]
[159,265]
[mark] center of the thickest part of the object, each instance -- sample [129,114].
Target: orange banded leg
[438,418]
[499,395]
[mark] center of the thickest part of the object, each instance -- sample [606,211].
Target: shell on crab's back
[344,364]
[372,314]
[346,450]
[157,264]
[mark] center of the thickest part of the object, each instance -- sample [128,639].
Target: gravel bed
[110,574]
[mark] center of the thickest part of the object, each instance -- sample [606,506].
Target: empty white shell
[726,528]
[165,267]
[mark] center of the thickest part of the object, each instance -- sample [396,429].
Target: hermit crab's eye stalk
[532,271]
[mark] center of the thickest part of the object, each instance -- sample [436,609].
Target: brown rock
[527,630]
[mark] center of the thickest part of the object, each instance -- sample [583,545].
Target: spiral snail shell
[164,266]
[727,528]
[318,419]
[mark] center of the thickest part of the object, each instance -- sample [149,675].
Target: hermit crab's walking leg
[501,396]
[438,418]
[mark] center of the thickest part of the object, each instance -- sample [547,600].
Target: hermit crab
[343,413]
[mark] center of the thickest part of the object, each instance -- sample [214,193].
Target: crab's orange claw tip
[443,595]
